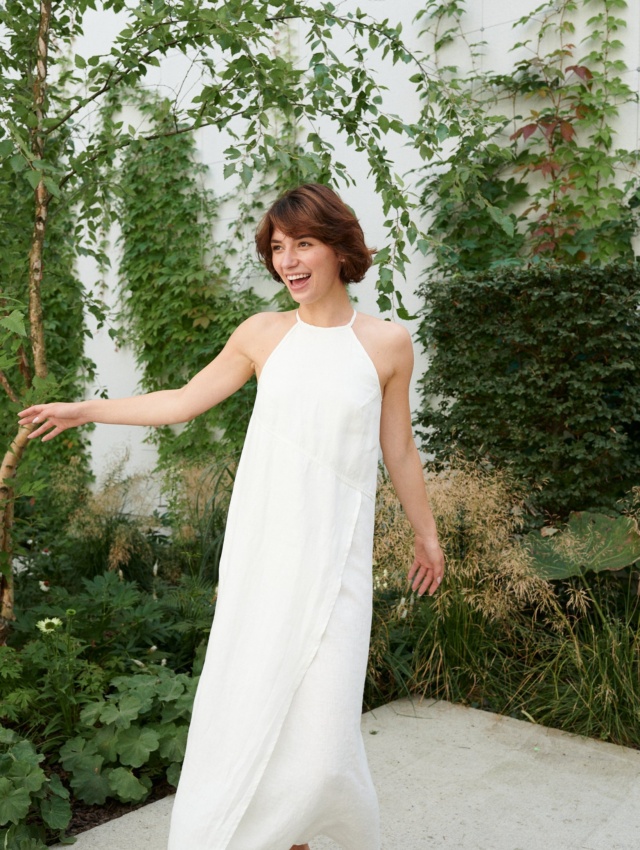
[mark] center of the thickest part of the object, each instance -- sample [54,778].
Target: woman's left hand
[427,570]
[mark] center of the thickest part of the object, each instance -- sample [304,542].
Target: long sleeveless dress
[275,754]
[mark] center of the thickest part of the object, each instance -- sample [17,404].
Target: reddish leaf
[544,246]
[566,131]
[547,167]
[548,127]
[529,130]
[581,71]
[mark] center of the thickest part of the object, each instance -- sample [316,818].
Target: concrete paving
[453,778]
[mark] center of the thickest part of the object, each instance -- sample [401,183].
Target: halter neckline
[328,327]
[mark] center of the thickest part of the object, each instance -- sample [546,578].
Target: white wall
[491,21]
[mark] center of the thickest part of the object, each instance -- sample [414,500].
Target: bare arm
[221,378]
[405,469]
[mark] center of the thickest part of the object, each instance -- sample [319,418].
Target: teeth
[297,276]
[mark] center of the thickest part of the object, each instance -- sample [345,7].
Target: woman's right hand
[53,418]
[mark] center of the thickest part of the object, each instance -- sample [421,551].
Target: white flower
[163,663]
[49,624]
[44,585]
[155,569]
[138,663]
[153,648]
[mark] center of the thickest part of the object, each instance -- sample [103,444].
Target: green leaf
[79,61]
[173,773]
[56,787]
[14,802]
[173,743]
[56,812]
[6,148]
[505,221]
[135,745]
[8,736]
[127,786]
[123,712]
[33,177]
[14,322]
[52,187]
[590,541]
[91,784]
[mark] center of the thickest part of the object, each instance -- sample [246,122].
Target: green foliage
[538,369]
[28,793]
[65,327]
[558,187]
[589,541]
[178,303]
[137,733]
[535,368]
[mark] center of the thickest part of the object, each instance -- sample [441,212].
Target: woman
[275,755]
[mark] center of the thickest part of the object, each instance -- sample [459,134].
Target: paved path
[453,778]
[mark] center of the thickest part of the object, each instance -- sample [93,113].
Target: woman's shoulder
[267,321]
[387,332]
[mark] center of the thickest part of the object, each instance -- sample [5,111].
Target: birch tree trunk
[42,197]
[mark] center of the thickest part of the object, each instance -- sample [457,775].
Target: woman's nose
[288,259]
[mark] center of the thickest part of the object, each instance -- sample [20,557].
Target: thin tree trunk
[7,474]
[42,197]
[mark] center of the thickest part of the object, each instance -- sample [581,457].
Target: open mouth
[297,281]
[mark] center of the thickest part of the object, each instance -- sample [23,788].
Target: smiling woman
[315,211]
[275,755]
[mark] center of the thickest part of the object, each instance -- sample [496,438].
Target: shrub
[537,369]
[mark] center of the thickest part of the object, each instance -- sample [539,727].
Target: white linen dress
[275,754]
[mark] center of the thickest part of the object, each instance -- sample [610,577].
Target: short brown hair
[316,210]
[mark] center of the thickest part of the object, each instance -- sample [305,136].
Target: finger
[413,570]
[417,579]
[29,411]
[57,430]
[46,426]
[430,584]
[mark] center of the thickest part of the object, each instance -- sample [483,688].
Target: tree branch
[8,388]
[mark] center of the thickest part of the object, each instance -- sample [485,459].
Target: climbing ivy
[63,305]
[535,172]
[178,307]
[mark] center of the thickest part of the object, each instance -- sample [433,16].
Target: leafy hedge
[537,368]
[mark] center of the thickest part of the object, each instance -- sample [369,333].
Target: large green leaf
[14,802]
[173,742]
[56,812]
[135,745]
[590,541]
[91,784]
[127,786]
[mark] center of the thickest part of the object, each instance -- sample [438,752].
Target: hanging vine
[178,304]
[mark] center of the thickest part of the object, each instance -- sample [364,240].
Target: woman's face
[309,268]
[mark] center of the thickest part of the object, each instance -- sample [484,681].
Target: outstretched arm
[405,469]
[221,378]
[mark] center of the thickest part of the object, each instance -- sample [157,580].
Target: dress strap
[330,327]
